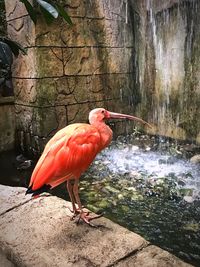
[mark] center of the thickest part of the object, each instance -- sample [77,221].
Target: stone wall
[7,123]
[7,119]
[70,70]
[168,65]
[129,56]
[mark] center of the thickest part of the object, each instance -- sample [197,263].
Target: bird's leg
[84,215]
[72,198]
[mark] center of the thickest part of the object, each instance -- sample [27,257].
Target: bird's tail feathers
[44,188]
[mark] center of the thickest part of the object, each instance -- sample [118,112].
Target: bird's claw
[85,217]
[75,212]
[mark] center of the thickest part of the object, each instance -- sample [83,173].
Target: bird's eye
[103,111]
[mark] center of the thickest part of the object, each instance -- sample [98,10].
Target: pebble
[134,148]
[195,159]
[188,199]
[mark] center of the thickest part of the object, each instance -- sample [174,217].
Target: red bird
[70,152]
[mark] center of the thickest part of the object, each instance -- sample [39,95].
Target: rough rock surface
[39,232]
[12,198]
[69,70]
[152,256]
[7,123]
[4,262]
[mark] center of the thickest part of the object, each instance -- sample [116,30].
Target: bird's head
[101,114]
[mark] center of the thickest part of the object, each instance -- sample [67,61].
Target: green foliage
[49,10]
[30,10]
[64,14]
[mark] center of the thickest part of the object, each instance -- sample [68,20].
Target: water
[153,164]
[145,184]
[150,163]
[151,189]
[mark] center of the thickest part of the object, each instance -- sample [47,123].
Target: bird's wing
[66,155]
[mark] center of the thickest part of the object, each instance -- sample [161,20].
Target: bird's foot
[87,218]
[75,212]
[83,216]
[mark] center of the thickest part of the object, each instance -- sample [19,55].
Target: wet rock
[160,181]
[105,191]
[111,189]
[188,199]
[136,197]
[190,147]
[135,174]
[195,227]
[104,203]
[131,188]
[181,182]
[20,158]
[93,208]
[25,165]
[90,195]
[195,159]
[120,196]
[81,188]
[186,191]
[125,208]
[134,148]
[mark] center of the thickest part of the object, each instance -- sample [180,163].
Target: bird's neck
[105,132]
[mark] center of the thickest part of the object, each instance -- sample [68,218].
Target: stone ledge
[152,256]
[7,100]
[39,232]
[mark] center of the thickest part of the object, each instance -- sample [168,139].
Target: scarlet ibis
[70,152]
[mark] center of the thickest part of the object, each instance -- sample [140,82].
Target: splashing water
[152,163]
[132,159]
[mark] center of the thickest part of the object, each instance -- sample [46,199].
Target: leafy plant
[50,10]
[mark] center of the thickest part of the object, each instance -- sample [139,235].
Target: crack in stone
[14,207]
[23,16]
[71,104]
[72,75]
[132,253]
[17,29]
[12,12]
[78,47]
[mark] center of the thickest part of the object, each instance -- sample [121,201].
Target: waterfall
[169,50]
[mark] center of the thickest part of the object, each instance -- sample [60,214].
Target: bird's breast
[106,135]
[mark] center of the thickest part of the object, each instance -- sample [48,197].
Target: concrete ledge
[39,232]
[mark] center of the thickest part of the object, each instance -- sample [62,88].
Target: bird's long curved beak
[114,115]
